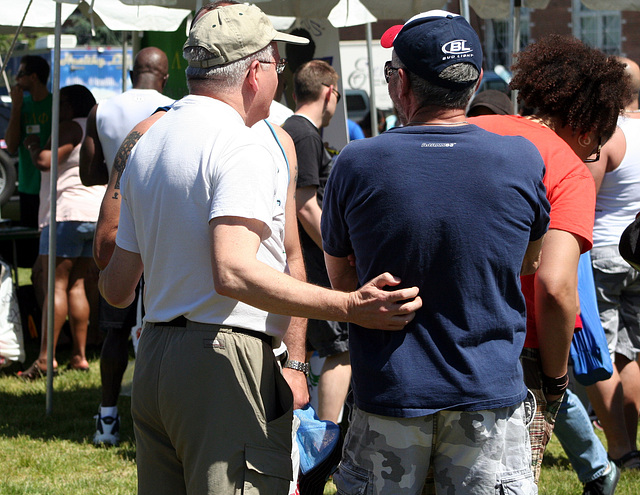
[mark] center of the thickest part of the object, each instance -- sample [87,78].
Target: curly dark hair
[563,78]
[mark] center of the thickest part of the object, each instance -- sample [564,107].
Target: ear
[253,75]
[584,140]
[327,93]
[479,79]
[405,82]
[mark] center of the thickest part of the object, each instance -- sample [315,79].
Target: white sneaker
[107,430]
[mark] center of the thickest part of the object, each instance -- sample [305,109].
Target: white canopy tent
[47,14]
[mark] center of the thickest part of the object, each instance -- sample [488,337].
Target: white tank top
[618,199]
[116,117]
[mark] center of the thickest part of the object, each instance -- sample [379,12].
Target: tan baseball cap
[234,32]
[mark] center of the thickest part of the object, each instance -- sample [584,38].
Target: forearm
[310,221]
[309,213]
[342,274]
[12,134]
[555,299]
[93,170]
[555,321]
[531,260]
[118,281]
[104,240]
[40,158]
[259,285]
[296,335]
[239,275]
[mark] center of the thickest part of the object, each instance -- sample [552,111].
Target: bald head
[150,69]
[633,70]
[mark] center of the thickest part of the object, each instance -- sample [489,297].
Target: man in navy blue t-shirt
[460,213]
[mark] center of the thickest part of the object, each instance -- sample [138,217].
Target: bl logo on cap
[456,47]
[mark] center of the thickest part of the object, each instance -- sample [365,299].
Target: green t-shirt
[35,119]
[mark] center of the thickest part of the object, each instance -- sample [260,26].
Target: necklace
[632,111]
[435,123]
[538,120]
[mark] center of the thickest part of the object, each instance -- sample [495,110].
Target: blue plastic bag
[316,439]
[589,351]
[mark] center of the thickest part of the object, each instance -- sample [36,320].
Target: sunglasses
[335,92]
[389,70]
[280,64]
[597,153]
[22,73]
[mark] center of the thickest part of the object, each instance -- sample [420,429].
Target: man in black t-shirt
[316,95]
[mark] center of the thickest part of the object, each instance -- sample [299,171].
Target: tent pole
[464,10]
[124,61]
[4,77]
[516,46]
[372,90]
[55,131]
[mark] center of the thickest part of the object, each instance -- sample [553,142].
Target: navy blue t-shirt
[450,210]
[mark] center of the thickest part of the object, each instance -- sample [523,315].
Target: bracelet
[298,366]
[554,386]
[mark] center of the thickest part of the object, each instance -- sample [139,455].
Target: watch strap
[298,366]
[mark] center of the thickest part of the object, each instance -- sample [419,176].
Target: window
[499,39]
[597,28]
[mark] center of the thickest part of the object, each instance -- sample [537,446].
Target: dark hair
[299,54]
[563,78]
[80,99]
[33,64]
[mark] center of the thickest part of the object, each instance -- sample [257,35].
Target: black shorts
[328,338]
[112,319]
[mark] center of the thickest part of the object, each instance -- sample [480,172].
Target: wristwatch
[298,366]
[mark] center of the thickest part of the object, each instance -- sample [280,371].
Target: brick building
[614,32]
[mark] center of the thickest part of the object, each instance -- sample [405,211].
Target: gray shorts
[212,413]
[468,453]
[618,293]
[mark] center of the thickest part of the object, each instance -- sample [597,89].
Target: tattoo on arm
[123,155]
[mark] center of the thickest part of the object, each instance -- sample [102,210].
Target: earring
[584,140]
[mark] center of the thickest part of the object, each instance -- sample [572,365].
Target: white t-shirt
[199,162]
[116,117]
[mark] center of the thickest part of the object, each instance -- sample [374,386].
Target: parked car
[357,104]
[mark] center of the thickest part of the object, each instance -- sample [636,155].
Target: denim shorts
[73,239]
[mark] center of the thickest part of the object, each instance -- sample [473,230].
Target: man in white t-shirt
[201,214]
[108,124]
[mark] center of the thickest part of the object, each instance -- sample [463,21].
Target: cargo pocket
[516,483]
[266,471]
[352,480]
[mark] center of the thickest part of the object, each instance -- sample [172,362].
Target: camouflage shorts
[479,452]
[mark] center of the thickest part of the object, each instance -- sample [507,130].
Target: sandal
[84,369]
[631,460]
[34,372]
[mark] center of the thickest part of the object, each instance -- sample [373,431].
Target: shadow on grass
[550,460]
[75,401]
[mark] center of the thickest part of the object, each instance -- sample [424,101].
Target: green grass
[53,455]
